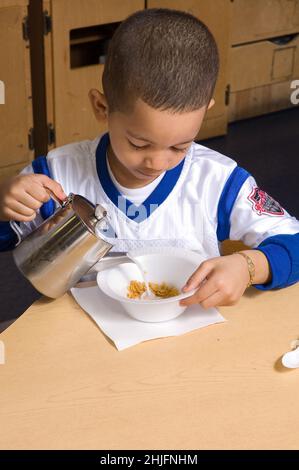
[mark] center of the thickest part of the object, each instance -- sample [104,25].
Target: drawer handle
[283,40]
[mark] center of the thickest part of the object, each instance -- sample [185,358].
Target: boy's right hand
[21,196]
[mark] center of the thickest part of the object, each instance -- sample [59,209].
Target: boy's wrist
[258,266]
[250,267]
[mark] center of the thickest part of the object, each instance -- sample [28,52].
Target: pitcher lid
[86,211]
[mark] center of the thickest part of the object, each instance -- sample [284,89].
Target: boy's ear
[99,104]
[211,103]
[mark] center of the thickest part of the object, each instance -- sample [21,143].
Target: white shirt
[183,210]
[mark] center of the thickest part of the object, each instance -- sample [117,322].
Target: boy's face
[147,141]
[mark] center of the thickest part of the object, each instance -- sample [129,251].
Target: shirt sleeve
[261,223]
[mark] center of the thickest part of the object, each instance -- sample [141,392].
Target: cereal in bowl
[163,290]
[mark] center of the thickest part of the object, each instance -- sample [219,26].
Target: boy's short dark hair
[168,58]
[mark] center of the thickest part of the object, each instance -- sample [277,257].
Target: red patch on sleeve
[262,203]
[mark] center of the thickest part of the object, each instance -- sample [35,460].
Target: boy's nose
[155,165]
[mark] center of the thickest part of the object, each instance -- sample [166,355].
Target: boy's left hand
[221,281]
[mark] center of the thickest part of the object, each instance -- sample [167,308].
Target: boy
[158,186]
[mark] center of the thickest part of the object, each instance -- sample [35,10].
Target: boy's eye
[137,147]
[179,150]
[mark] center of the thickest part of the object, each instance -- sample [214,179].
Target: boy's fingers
[31,200]
[12,215]
[200,295]
[22,209]
[53,186]
[215,300]
[38,193]
[218,299]
[198,276]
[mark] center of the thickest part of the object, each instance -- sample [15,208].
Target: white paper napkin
[125,331]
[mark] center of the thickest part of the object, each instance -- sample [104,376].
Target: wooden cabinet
[258,43]
[216,15]
[80,29]
[16,107]
[74,35]
[264,57]
[266,85]
[70,71]
[253,20]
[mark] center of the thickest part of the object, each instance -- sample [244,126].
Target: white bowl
[170,265]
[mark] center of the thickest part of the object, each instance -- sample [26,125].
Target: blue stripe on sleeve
[227,199]
[40,166]
[282,252]
[8,238]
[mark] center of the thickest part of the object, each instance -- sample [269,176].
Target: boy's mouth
[149,174]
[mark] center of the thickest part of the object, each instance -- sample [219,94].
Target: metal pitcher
[54,256]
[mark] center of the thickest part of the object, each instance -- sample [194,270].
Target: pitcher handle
[17,229]
[60,202]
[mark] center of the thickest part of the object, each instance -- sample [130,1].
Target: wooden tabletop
[64,385]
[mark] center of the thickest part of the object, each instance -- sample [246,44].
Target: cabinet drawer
[260,100]
[259,19]
[263,63]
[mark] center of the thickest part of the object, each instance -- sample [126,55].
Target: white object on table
[124,331]
[169,265]
[291,358]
